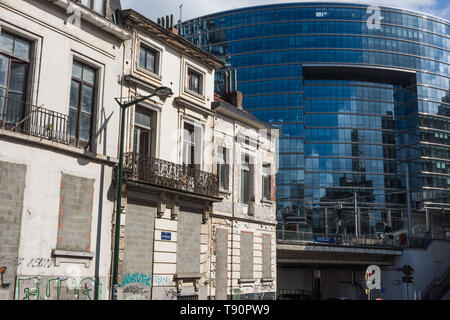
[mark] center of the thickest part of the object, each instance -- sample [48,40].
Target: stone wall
[12,185]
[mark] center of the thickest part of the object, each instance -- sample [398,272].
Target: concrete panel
[12,185]
[221,264]
[138,252]
[246,254]
[75,213]
[188,255]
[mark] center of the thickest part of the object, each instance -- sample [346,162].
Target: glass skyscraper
[359,93]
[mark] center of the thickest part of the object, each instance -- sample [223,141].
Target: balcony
[161,173]
[18,116]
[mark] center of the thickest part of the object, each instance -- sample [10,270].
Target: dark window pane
[194,82]
[144,142]
[245,186]
[77,70]
[15,108]
[88,98]
[2,102]
[22,49]
[142,57]
[143,119]
[18,77]
[4,64]
[7,42]
[88,75]
[151,57]
[73,121]
[75,94]
[85,127]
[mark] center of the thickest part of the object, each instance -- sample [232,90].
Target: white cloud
[197,8]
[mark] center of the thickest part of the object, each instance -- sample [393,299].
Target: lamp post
[162,93]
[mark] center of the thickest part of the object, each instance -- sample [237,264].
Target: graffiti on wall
[162,280]
[2,284]
[170,294]
[56,288]
[136,286]
[260,292]
[137,278]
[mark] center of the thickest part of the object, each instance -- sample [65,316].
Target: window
[81,110]
[266,182]
[223,168]
[143,138]
[14,67]
[149,59]
[245,180]
[96,5]
[188,144]
[192,144]
[195,80]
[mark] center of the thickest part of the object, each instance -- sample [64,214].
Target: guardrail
[19,116]
[163,173]
[292,237]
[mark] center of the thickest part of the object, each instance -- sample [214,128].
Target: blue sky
[154,9]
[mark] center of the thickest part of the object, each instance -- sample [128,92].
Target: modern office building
[358,91]
[361,95]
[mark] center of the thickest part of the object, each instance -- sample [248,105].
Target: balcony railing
[293,237]
[36,121]
[170,175]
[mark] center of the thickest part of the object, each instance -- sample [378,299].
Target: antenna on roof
[181,13]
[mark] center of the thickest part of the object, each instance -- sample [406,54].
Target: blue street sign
[166,236]
[325,239]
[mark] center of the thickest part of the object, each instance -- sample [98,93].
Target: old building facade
[169,182]
[59,62]
[243,260]
[196,222]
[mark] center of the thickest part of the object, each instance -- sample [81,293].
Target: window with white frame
[223,168]
[195,81]
[82,99]
[149,58]
[143,133]
[188,144]
[245,179]
[266,188]
[192,143]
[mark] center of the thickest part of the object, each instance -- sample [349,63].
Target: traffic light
[408,270]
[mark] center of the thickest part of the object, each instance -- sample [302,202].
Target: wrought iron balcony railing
[170,175]
[36,121]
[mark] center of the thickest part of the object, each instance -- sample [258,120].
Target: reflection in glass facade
[355,101]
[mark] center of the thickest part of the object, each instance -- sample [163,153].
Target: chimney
[167,23]
[235,98]
[231,94]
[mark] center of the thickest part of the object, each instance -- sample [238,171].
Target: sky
[154,9]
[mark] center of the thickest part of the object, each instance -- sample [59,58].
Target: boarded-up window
[75,213]
[221,264]
[138,252]
[267,256]
[246,255]
[188,245]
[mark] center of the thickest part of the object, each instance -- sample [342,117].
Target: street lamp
[162,92]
